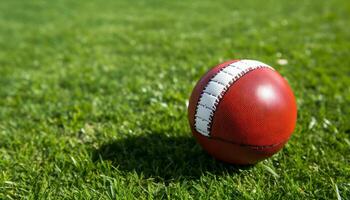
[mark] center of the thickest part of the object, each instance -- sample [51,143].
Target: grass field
[93,97]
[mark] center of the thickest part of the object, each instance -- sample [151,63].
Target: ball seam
[257,147]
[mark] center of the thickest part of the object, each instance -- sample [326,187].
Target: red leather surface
[253,120]
[246,116]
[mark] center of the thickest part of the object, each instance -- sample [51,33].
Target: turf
[93,97]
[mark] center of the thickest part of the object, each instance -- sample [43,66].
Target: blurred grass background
[93,97]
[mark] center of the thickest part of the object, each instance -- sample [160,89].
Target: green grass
[93,97]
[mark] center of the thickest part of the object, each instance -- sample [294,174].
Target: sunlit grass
[93,97]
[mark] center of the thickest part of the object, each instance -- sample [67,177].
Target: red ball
[242,111]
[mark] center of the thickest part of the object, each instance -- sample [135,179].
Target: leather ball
[242,111]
